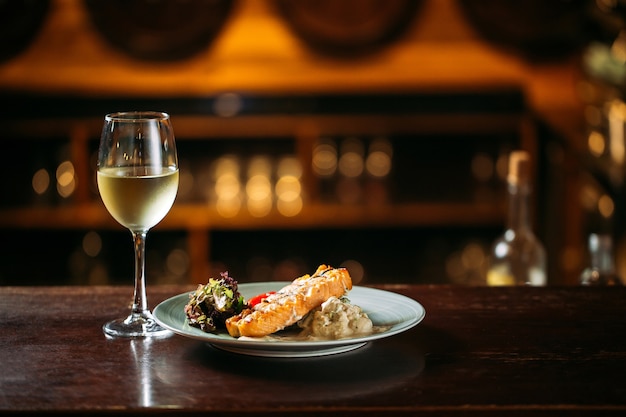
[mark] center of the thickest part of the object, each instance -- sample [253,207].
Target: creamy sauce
[334,319]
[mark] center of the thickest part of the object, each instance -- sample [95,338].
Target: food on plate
[312,307]
[336,318]
[211,304]
[291,303]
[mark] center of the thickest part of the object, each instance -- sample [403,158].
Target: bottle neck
[519,208]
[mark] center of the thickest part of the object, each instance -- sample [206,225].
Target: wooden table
[479,351]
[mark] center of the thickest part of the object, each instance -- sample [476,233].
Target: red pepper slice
[258,298]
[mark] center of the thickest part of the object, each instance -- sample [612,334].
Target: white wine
[138,195]
[138,201]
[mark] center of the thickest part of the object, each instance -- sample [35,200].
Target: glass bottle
[518,257]
[602,268]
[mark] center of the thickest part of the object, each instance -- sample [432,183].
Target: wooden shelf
[196,216]
[412,120]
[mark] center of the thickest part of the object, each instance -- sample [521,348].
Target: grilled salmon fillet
[290,303]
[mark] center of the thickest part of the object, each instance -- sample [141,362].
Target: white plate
[384,308]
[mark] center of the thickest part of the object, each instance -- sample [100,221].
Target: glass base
[135,325]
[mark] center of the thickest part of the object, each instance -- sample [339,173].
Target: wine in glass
[138,181]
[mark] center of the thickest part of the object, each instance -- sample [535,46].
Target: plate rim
[288,348]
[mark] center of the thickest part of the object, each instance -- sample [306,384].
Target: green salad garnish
[211,304]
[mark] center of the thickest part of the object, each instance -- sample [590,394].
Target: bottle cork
[519,168]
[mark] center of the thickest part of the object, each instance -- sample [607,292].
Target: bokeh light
[482,166]
[92,244]
[66,179]
[351,162]
[596,143]
[379,159]
[324,158]
[41,181]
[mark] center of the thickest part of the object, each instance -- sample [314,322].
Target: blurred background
[372,134]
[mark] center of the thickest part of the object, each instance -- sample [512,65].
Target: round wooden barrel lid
[348,28]
[159,30]
[20,22]
[536,29]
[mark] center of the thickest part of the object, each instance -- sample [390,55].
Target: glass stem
[140,301]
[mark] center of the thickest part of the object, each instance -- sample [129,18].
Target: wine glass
[138,181]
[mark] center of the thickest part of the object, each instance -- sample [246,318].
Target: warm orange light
[66,179]
[596,143]
[41,181]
